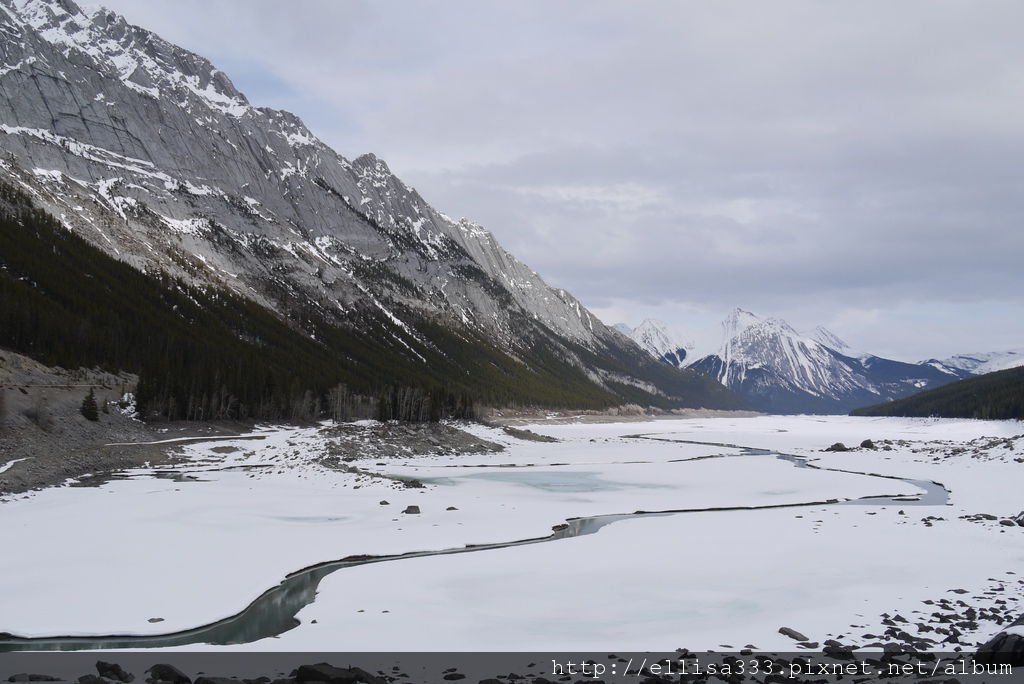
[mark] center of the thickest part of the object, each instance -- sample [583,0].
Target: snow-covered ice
[191,551]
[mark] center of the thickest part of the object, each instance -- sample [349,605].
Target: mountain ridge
[778,369]
[152,155]
[981,363]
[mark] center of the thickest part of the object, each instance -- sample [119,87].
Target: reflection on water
[274,612]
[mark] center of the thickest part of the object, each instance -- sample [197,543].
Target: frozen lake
[698,533]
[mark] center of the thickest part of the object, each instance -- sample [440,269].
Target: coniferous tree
[89,408]
[204,353]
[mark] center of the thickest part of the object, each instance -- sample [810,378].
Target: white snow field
[106,560]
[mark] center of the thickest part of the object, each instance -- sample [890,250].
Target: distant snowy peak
[778,369]
[824,336]
[759,344]
[781,370]
[654,337]
[981,363]
[737,322]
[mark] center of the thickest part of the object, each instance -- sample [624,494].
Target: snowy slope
[981,363]
[827,338]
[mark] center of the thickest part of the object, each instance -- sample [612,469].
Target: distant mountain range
[777,369]
[982,363]
[654,338]
[998,395]
[151,155]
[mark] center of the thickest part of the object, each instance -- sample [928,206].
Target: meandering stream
[273,612]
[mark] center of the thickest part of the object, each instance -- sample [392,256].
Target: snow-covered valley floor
[176,547]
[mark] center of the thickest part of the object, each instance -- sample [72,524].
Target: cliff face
[153,150]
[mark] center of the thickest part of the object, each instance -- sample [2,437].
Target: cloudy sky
[856,165]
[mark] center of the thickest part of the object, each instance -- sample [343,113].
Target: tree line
[204,353]
[993,396]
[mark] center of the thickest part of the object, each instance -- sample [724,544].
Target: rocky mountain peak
[737,321]
[140,59]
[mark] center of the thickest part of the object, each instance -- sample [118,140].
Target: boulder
[92,679]
[792,634]
[161,672]
[114,672]
[412,510]
[323,672]
[1003,649]
[838,446]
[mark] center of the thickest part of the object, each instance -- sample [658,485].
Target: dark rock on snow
[323,672]
[167,673]
[114,672]
[792,634]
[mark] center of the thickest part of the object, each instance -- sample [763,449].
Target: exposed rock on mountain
[151,154]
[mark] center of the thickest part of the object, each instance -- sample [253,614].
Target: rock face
[153,155]
[221,190]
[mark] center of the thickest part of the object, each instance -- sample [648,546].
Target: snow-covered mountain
[827,338]
[981,363]
[781,370]
[151,153]
[654,337]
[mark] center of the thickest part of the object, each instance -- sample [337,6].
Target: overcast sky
[855,165]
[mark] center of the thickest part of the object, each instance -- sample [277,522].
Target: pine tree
[89,408]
